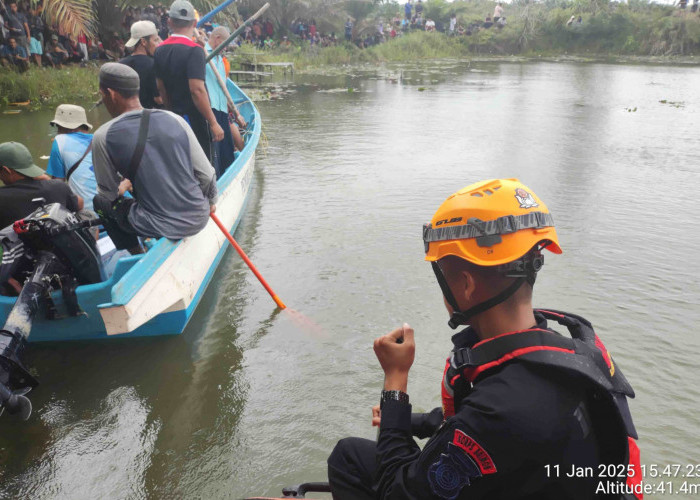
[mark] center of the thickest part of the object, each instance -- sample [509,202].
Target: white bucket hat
[139,30]
[70,116]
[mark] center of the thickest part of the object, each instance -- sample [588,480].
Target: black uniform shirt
[517,420]
[148,90]
[16,199]
[177,61]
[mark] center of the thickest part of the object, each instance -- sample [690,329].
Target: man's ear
[469,281]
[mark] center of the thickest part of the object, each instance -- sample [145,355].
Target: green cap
[17,157]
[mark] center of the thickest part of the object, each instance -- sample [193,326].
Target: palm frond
[73,17]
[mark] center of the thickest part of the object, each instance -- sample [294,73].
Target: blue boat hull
[131,274]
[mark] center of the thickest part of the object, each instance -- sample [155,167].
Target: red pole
[245,258]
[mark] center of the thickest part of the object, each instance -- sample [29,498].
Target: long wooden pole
[222,84]
[245,258]
[240,29]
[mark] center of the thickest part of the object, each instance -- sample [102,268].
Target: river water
[246,401]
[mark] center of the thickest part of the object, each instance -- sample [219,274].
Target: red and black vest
[582,354]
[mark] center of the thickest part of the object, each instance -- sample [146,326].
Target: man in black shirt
[144,39]
[180,75]
[19,174]
[523,406]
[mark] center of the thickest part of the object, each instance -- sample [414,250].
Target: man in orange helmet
[527,412]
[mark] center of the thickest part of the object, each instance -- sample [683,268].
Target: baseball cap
[181,9]
[17,157]
[70,116]
[139,30]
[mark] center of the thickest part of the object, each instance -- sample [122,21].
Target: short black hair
[181,23]
[126,94]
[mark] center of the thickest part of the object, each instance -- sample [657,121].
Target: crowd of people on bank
[151,171]
[683,4]
[25,39]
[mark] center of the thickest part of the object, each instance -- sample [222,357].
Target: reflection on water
[246,402]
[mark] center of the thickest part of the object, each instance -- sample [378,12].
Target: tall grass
[615,29]
[47,86]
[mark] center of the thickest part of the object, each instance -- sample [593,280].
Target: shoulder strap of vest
[582,353]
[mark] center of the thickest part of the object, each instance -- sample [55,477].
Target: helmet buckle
[485,240]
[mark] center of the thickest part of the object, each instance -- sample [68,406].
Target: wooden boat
[156,293]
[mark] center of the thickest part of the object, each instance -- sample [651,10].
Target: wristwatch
[399,396]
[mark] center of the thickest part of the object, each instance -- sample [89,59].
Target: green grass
[49,87]
[534,29]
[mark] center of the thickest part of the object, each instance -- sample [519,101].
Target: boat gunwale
[143,266]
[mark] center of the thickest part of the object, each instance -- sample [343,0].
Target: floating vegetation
[675,104]
[421,89]
[631,110]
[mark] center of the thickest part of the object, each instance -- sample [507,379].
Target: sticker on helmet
[525,199]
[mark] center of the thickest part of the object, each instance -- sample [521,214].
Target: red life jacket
[583,354]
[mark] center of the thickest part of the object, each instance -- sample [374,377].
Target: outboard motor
[63,255]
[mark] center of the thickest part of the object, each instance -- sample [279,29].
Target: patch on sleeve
[452,472]
[481,458]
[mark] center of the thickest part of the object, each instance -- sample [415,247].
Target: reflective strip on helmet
[476,228]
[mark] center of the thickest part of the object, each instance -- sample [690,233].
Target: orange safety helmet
[490,223]
[499,223]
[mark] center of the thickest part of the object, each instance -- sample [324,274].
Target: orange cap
[490,223]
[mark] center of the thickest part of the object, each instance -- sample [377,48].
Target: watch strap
[399,396]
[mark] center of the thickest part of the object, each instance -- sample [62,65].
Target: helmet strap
[462,317]
[446,291]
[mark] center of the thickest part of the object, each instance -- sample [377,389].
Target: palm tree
[93,17]
[73,17]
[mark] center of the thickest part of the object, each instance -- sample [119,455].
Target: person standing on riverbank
[180,74]
[71,152]
[497,12]
[348,30]
[520,402]
[16,24]
[154,154]
[144,41]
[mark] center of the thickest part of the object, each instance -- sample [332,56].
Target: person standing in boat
[157,154]
[223,150]
[526,412]
[144,40]
[180,75]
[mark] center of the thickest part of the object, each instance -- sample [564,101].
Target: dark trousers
[201,131]
[351,469]
[115,215]
[223,150]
